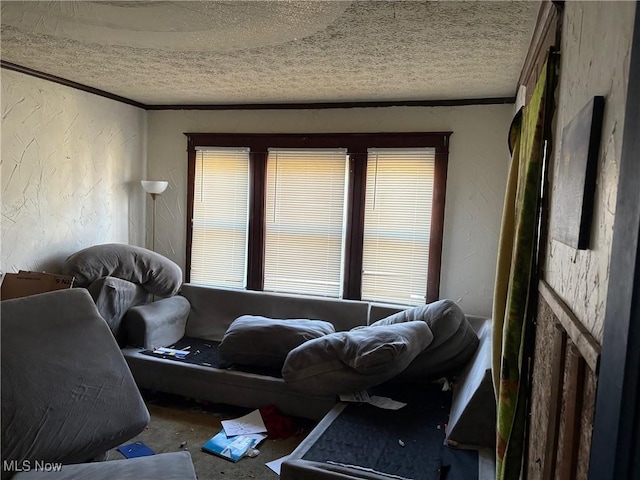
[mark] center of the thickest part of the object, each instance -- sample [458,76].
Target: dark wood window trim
[191,175]
[257,192]
[356,145]
[437,221]
[352,287]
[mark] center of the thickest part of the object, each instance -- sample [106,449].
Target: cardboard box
[23,283]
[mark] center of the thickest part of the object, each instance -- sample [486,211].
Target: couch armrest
[157,324]
[113,297]
[472,420]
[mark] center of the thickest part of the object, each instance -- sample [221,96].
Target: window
[305,221]
[356,216]
[220,217]
[397,220]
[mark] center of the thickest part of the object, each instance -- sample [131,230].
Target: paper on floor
[358,397]
[250,423]
[386,403]
[276,464]
[376,401]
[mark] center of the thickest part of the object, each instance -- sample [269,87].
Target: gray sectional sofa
[212,312]
[317,348]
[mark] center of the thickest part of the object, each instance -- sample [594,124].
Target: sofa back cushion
[213,309]
[346,362]
[157,274]
[454,339]
[265,342]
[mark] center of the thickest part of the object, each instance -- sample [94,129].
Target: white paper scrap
[386,403]
[250,423]
[276,464]
[358,397]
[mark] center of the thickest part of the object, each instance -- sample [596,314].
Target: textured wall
[476,182]
[71,166]
[595,61]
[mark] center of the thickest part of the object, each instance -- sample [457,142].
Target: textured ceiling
[236,52]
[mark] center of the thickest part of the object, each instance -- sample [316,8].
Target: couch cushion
[157,274]
[167,466]
[67,393]
[454,340]
[346,362]
[262,341]
[443,317]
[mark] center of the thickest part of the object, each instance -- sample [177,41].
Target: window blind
[305,221]
[220,217]
[399,196]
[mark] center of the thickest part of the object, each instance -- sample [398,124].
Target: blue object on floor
[137,449]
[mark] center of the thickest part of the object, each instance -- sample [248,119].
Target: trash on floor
[250,423]
[234,447]
[276,464]
[137,449]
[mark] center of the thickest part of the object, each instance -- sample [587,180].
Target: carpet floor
[182,424]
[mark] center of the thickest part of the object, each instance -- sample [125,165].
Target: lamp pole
[153,222]
[154,188]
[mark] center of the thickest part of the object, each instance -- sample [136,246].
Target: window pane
[305,221]
[220,217]
[399,195]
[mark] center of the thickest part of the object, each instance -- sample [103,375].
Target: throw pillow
[265,342]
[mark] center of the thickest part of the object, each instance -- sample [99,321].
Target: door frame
[615,447]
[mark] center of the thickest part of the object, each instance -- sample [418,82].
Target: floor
[178,424]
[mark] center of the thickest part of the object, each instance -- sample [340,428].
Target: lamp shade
[154,187]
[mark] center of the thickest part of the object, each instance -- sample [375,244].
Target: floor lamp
[154,188]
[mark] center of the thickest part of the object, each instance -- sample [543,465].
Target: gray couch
[212,312]
[68,396]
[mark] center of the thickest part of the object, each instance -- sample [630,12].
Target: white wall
[478,165]
[71,166]
[595,51]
